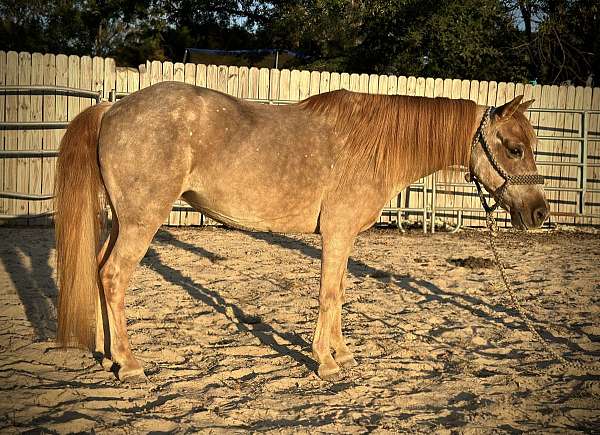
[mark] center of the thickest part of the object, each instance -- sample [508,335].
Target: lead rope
[516,305]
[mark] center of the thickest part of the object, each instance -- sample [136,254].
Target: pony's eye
[515,152]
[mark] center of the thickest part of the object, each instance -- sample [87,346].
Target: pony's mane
[397,137]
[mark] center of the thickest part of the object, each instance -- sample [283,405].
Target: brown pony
[327,165]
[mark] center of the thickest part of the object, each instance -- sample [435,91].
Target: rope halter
[498,194]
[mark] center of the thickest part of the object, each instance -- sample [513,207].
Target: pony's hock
[328,165]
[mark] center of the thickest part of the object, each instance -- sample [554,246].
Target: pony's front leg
[333,266]
[343,356]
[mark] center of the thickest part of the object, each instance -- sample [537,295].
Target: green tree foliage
[550,41]
[471,39]
[561,38]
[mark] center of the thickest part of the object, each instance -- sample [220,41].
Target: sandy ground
[223,320]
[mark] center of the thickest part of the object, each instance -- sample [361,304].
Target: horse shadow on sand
[358,269]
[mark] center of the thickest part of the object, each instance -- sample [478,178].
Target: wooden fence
[36,175]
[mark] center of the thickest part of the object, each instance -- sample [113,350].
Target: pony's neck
[396,139]
[440,159]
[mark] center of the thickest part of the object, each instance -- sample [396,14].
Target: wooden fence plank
[156,72]
[587,105]
[373,86]
[295,85]
[501,94]
[143,76]
[447,92]
[233,80]
[110,73]
[133,80]
[354,83]
[51,137]
[179,72]
[284,84]
[97,73]
[558,146]
[3,66]
[304,84]
[510,91]
[334,81]
[201,76]
[345,81]
[438,87]
[24,136]
[11,138]
[411,84]
[189,73]
[429,87]
[548,128]
[573,176]
[86,81]
[420,87]
[492,93]
[211,76]
[593,199]
[392,85]
[383,85]
[35,169]
[121,79]
[274,76]
[222,78]
[62,105]
[253,82]
[363,83]
[456,89]
[324,81]
[315,79]
[263,84]
[465,90]
[168,71]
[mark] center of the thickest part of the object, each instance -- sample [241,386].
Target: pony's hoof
[328,373]
[132,376]
[346,361]
[107,364]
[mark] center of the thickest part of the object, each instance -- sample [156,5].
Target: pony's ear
[506,110]
[526,105]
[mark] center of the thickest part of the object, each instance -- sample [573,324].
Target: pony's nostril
[539,215]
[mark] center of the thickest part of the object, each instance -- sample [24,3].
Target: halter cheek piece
[498,194]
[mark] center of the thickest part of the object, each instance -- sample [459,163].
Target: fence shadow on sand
[27,260]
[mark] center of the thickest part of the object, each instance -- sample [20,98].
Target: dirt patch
[223,322]
[472,262]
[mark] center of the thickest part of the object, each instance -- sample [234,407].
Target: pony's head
[502,160]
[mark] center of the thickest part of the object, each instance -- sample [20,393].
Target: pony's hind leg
[131,244]
[102,326]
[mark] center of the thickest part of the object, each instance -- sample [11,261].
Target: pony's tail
[78,208]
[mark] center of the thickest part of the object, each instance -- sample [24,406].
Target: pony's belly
[253,217]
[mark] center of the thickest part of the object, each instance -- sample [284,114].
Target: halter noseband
[498,194]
